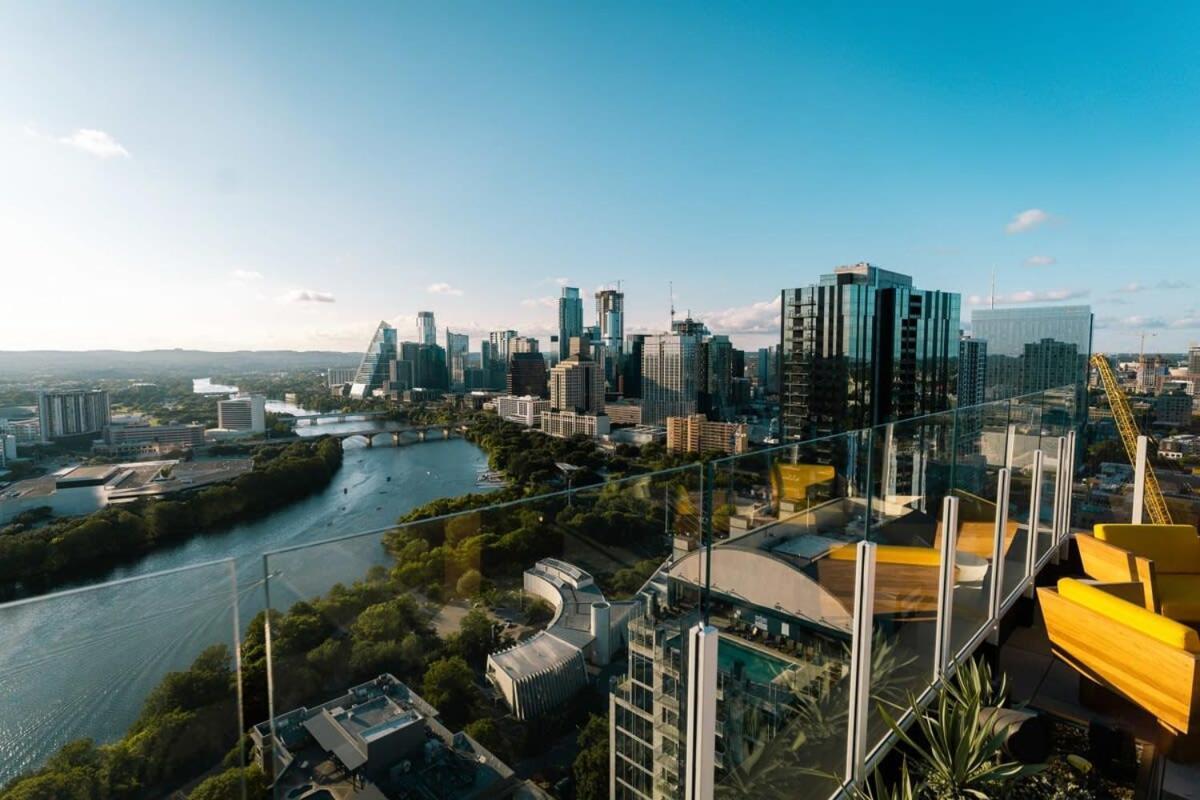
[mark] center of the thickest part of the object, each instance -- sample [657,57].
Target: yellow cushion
[892,554]
[1172,548]
[1180,597]
[792,481]
[1157,626]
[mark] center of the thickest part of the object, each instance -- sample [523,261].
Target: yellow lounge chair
[1146,657]
[1163,559]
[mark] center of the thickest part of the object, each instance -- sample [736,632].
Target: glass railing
[816,584]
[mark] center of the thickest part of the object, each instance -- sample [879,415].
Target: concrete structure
[624,412]
[570,319]
[243,413]
[137,438]
[564,424]
[861,347]
[378,740]
[373,369]
[696,434]
[426,328]
[669,376]
[340,376]
[526,410]
[545,670]
[62,415]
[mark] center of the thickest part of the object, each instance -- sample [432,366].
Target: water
[80,663]
[206,386]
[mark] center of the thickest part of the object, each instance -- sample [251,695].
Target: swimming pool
[756,666]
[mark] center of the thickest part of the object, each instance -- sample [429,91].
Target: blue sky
[287,175]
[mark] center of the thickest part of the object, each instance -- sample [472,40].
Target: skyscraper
[570,319]
[1009,330]
[527,375]
[72,413]
[426,328]
[862,347]
[457,347]
[610,317]
[669,377]
[577,382]
[718,375]
[503,345]
[972,371]
[1194,362]
[373,369]
[428,365]
[631,366]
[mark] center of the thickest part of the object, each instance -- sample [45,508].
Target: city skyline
[219,161]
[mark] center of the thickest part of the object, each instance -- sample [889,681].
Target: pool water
[756,666]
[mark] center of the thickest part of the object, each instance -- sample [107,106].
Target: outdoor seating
[1164,560]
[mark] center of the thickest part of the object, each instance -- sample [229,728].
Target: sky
[257,176]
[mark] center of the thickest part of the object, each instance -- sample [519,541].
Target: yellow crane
[1127,427]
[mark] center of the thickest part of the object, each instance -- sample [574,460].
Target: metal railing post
[700,763]
[1069,503]
[1056,533]
[1035,510]
[943,650]
[1139,480]
[996,597]
[860,663]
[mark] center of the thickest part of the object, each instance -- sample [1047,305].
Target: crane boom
[1128,429]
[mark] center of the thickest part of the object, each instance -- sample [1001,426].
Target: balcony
[841,575]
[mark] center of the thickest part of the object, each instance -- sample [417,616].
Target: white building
[339,376]
[138,438]
[243,413]
[564,424]
[546,669]
[525,410]
[63,415]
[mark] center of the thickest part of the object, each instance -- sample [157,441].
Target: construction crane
[1127,427]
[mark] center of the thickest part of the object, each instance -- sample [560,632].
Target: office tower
[63,415]
[630,384]
[610,317]
[373,369]
[570,319]
[717,374]
[457,347]
[1194,362]
[1048,364]
[503,343]
[246,412]
[972,371]
[426,328]
[669,377]
[863,347]
[337,376]
[527,375]
[1008,330]
[525,344]
[576,382]
[428,368]
[739,363]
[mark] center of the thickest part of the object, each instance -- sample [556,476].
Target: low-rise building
[1173,410]
[338,376]
[696,434]
[138,438]
[624,412]
[564,424]
[1176,448]
[380,739]
[27,431]
[525,410]
[638,435]
[246,412]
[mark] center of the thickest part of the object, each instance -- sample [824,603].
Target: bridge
[400,436]
[335,416]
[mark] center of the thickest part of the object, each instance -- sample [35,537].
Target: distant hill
[23,364]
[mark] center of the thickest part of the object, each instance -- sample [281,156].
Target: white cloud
[97,143]
[1027,220]
[756,318]
[1029,296]
[540,302]
[308,296]
[1133,288]
[443,288]
[1040,261]
[246,275]
[1186,322]
[1133,323]
[1173,285]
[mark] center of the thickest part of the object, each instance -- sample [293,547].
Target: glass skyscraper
[570,319]
[669,377]
[373,369]
[1033,349]
[426,328]
[863,347]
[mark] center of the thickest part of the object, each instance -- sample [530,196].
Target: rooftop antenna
[671,285]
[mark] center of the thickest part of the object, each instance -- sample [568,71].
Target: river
[80,663]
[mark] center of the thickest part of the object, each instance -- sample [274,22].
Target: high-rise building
[972,371]
[717,373]
[690,327]
[8,449]
[862,347]
[577,382]
[245,412]
[373,369]
[1009,330]
[630,384]
[610,317]
[570,319]
[457,347]
[525,344]
[65,414]
[1194,362]
[669,371]
[426,328]
[502,345]
[527,375]
[428,365]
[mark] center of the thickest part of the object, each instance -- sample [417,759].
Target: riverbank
[35,561]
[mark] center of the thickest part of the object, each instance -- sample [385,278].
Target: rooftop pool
[756,666]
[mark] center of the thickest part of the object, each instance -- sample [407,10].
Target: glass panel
[131,683]
[502,621]
[1025,438]
[786,522]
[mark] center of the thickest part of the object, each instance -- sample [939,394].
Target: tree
[591,765]
[229,784]
[476,638]
[485,732]
[468,585]
[450,688]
